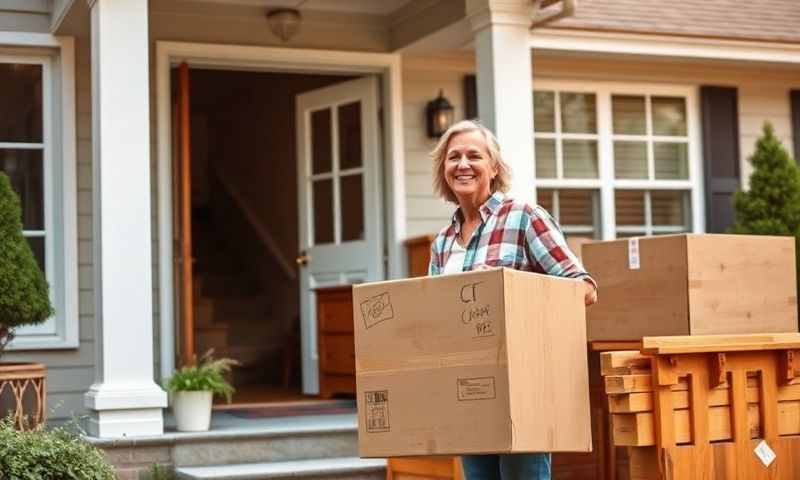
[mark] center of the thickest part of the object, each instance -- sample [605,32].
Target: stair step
[350,468]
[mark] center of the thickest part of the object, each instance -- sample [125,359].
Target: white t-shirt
[455,262]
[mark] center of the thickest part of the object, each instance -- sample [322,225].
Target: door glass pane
[544,112]
[576,207]
[323,211]
[20,103]
[352,207]
[580,158]
[350,136]
[629,207]
[544,198]
[670,207]
[630,159]
[669,116]
[37,247]
[629,115]
[578,113]
[321,147]
[25,169]
[671,161]
[545,158]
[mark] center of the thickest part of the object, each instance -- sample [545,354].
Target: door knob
[303,259]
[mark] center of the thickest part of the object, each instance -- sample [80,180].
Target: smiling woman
[490,229]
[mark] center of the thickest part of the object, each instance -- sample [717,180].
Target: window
[617,160]
[39,161]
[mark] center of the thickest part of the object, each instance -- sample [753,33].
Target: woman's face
[468,169]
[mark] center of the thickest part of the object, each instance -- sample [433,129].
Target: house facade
[310,155]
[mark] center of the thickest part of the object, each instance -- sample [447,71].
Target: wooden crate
[697,407]
[692,285]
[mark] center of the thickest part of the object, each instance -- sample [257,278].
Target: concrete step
[268,440]
[344,468]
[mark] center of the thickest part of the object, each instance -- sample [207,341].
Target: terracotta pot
[192,411]
[23,393]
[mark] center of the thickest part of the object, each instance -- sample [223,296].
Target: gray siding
[71,371]
[24,16]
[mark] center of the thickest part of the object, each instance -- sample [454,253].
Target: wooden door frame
[286,60]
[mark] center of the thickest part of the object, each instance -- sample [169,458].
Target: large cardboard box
[479,362]
[692,285]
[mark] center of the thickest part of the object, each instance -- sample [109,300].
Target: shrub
[772,204]
[24,296]
[56,454]
[208,375]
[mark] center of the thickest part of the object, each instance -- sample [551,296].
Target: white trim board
[664,45]
[30,39]
[253,58]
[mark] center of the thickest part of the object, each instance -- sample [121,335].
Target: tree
[24,298]
[772,205]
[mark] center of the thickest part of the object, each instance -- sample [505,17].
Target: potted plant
[48,454]
[193,388]
[24,300]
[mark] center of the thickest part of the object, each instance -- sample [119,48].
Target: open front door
[182,217]
[339,198]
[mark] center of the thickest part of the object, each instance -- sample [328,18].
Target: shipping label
[377,411]
[377,309]
[477,388]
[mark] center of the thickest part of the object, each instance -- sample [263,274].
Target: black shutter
[794,99]
[720,154]
[470,97]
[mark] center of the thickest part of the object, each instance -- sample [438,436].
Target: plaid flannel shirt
[513,235]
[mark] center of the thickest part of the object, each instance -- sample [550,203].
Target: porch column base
[117,411]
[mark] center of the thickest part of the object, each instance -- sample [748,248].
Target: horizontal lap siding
[24,16]
[422,79]
[70,372]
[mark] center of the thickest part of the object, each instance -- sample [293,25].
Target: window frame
[606,182]
[56,55]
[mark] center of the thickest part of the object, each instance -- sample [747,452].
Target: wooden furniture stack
[691,407]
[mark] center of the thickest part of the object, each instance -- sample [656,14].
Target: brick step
[343,468]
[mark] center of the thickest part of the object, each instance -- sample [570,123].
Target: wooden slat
[720,396]
[187,333]
[610,346]
[616,384]
[720,343]
[623,363]
[638,429]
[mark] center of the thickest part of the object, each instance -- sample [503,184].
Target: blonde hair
[501,181]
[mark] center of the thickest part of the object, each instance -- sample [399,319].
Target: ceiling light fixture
[284,22]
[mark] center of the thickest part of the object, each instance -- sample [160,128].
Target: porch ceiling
[382,7]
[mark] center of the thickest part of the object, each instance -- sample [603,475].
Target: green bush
[207,376]
[56,454]
[24,296]
[772,204]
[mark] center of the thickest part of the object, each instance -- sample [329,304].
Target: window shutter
[720,117]
[794,100]
[470,97]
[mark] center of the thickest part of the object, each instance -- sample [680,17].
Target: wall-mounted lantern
[439,114]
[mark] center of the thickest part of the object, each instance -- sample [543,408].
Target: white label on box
[633,253]
[764,453]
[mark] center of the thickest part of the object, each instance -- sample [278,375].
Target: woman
[490,229]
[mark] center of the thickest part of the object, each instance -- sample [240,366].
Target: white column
[124,400]
[504,77]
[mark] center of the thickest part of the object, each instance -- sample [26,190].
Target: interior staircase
[231,309]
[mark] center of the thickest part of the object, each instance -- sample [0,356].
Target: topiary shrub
[55,454]
[24,298]
[772,205]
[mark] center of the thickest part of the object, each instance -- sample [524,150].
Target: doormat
[322,407]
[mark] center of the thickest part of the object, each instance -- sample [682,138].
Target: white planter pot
[192,411]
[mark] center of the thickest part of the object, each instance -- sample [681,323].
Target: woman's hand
[590,297]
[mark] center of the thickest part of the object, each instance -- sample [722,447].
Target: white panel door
[339,199]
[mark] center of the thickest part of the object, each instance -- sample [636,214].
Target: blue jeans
[521,466]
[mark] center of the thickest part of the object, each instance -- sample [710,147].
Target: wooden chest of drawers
[337,359]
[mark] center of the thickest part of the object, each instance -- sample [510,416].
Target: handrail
[262,231]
